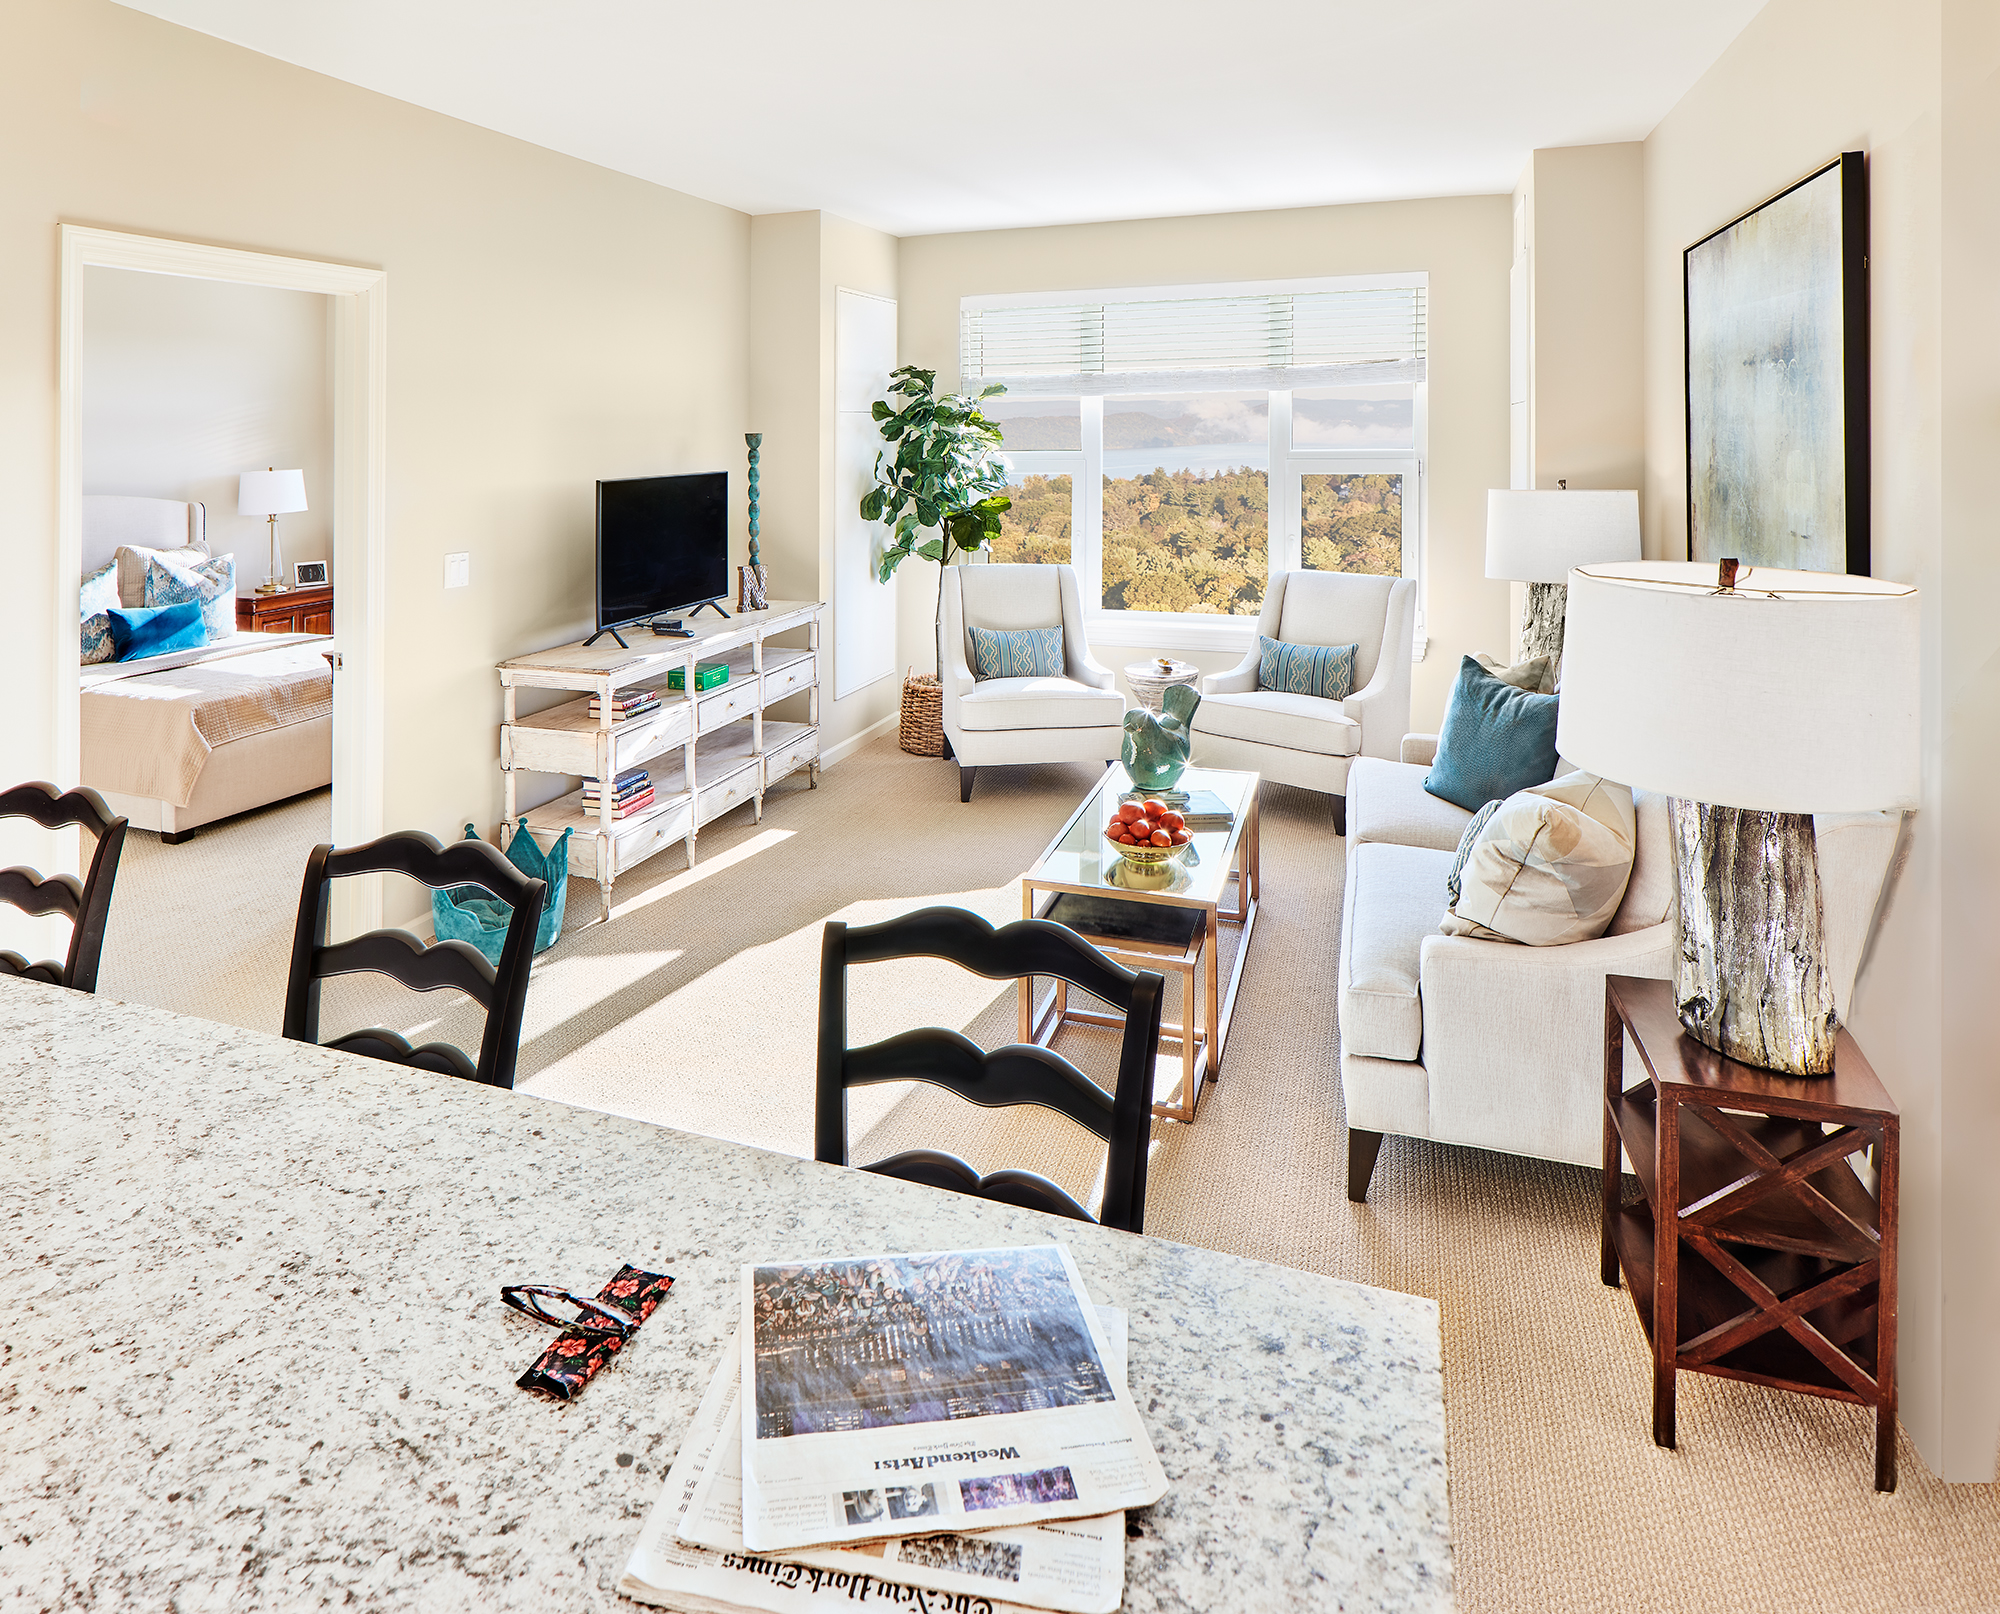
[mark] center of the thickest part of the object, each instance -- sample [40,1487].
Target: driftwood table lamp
[1535,536]
[1754,699]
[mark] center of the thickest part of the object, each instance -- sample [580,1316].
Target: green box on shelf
[707,674]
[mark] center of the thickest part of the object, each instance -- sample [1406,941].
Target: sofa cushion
[1551,865]
[1386,801]
[1395,896]
[1266,717]
[1017,653]
[1306,669]
[1496,740]
[1039,703]
[1650,893]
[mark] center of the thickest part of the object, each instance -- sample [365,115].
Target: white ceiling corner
[915,117]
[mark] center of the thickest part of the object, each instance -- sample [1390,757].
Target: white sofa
[1302,739]
[1497,1045]
[1079,717]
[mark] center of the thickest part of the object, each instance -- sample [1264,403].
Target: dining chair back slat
[86,903]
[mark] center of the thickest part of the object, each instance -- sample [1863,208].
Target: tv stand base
[601,632]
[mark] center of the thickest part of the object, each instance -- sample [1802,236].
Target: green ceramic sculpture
[1156,749]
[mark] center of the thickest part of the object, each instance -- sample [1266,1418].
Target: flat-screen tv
[662,546]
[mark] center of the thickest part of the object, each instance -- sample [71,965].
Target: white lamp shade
[1537,536]
[1797,693]
[270,493]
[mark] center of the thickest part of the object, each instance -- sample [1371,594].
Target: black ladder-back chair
[502,992]
[86,903]
[1015,1074]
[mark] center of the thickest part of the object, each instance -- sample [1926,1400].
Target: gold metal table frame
[1091,869]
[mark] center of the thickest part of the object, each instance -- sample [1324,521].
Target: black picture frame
[309,574]
[1772,344]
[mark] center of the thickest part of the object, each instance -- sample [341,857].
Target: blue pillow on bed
[140,632]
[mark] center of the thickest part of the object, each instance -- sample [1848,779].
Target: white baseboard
[855,742]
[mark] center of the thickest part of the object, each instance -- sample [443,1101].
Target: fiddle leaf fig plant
[937,473]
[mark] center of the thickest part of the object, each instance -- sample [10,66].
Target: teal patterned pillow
[1023,653]
[1466,842]
[211,584]
[1306,669]
[98,596]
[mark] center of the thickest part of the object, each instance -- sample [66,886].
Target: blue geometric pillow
[1023,653]
[211,584]
[1495,740]
[1306,669]
[95,600]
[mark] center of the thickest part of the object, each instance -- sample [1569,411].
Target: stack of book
[948,1431]
[631,791]
[627,704]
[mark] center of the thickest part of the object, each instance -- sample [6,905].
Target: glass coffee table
[1164,918]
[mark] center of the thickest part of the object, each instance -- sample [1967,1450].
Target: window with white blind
[1176,445]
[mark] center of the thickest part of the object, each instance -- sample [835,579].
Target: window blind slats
[1248,342]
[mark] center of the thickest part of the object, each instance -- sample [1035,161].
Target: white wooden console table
[724,751]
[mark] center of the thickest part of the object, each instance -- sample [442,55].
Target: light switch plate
[458,570]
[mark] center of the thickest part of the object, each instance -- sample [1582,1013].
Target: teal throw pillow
[1466,842]
[209,583]
[1022,653]
[471,913]
[1496,739]
[138,633]
[1306,669]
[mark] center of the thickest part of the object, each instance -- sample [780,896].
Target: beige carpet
[695,1008]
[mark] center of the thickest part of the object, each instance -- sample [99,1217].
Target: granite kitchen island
[255,1355]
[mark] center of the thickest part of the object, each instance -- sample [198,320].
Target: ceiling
[919,116]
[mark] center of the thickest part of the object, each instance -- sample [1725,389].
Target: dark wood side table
[297,610]
[1754,1251]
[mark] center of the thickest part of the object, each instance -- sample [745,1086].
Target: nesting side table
[1754,1250]
[1150,681]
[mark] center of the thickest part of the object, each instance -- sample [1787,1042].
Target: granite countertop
[255,1356]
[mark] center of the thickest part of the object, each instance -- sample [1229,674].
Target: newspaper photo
[1077,1566]
[894,1395]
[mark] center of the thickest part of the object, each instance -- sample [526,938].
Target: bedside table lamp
[1754,699]
[1536,537]
[272,494]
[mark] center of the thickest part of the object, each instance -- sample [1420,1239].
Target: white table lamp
[1536,536]
[1753,707]
[273,494]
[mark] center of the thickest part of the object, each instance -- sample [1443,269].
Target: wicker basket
[921,732]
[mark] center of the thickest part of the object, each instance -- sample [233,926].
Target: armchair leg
[1362,1148]
[1340,815]
[965,778]
[948,752]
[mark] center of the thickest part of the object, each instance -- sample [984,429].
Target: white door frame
[360,505]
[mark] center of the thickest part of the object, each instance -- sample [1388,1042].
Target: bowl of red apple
[1147,833]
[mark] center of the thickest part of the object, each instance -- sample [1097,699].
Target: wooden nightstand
[1754,1251]
[299,610]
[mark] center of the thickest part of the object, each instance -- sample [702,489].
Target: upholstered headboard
[111,520]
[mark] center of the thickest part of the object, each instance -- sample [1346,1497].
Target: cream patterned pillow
[132,559]
[98,595]
[211,585]
[1550,866]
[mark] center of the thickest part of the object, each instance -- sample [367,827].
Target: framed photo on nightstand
[308,574]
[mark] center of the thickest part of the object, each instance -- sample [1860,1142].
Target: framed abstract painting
[1777,379]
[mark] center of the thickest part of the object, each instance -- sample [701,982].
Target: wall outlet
[458,570]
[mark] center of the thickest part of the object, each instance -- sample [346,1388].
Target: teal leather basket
[470,913]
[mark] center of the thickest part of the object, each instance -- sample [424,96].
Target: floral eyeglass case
[574,1359]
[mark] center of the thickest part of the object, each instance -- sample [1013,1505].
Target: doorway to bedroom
[226,695]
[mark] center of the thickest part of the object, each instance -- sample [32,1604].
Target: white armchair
[1303,739]
[989,722]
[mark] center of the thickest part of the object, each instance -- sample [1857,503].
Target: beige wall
[1463,243]
[186,383]
[1914,85]
[549,323]
[798,262]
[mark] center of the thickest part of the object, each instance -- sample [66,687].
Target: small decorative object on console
[750,580]
[1155,750]
[707,675]
[308,574]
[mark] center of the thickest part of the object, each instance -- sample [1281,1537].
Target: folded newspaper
[971,1384]
[1078,1565]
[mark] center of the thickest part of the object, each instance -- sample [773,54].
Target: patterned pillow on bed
[210,584]
[99,595]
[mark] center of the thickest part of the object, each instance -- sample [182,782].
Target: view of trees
[1198,541]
